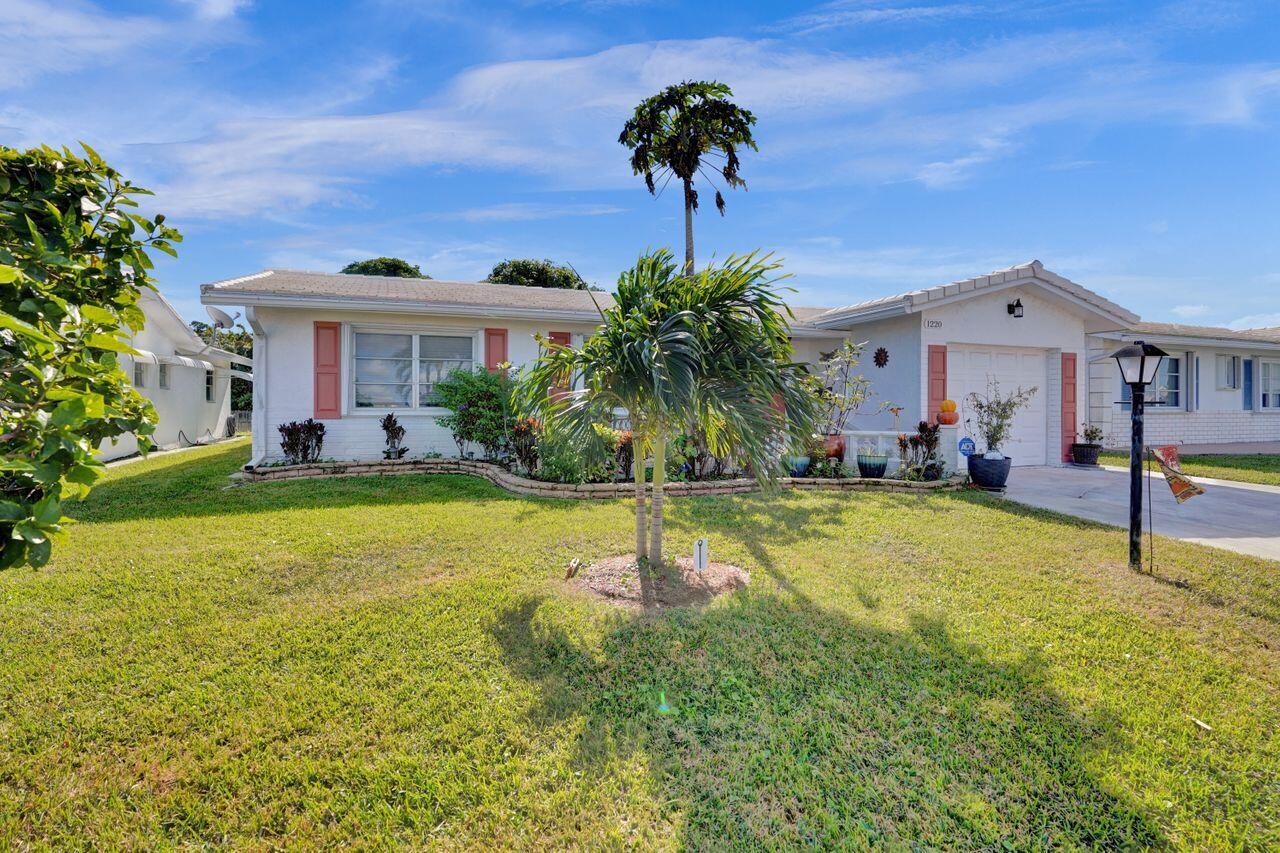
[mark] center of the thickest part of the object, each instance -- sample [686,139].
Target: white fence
[886,442]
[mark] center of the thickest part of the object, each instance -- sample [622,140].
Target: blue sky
[1129,146]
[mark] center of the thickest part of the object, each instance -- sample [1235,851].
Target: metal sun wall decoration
[881,358]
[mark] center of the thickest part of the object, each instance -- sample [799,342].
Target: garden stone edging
[503,478]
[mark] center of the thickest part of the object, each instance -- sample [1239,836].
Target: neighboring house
[187,381]
[346,349]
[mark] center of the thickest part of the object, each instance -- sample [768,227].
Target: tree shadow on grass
[790,724]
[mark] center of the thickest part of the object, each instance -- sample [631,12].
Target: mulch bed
[617,580]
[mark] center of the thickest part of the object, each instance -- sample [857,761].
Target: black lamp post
[1139,362]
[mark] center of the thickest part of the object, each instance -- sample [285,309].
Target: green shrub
[73,264]
[480,408]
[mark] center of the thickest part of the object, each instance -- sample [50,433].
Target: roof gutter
[1190,340]
[338,303]
[868,315]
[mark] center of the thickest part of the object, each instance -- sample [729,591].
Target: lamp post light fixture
[1139,363]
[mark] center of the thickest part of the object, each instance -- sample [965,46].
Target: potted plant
[871,462]
[841,392]
[814,451]
[993,413]
[1086,452]
[918,454]
[395,434]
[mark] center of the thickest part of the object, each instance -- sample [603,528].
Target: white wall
[1216,416]
[182,406]
[286,379]
[1049,323]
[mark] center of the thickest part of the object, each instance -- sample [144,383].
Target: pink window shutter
[937,380]
[495,348]
[1070,411]
[328,370]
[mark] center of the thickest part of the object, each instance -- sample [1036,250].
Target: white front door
[970,368]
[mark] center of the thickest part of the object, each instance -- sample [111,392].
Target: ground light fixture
[1139,362]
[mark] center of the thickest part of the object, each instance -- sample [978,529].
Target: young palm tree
[673,132]
[711,350]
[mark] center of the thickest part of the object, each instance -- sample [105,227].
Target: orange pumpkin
[948,418]
[948,405]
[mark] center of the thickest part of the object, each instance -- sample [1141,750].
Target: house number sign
[933,324]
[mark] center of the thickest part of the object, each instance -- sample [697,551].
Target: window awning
[182,360]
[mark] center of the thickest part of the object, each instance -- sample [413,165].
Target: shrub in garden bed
[301,441]
[480,409]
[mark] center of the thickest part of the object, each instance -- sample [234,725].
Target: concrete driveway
[1237,516]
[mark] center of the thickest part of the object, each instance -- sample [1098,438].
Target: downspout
[258,452]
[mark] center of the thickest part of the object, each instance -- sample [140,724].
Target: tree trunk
[655,501]
[637,462]
[688,228]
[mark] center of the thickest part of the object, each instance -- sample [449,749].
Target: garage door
[969,368]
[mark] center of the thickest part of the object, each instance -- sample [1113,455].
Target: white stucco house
[188,381]
[346,349]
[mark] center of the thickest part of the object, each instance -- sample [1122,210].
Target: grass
[395,661]
[1245,468]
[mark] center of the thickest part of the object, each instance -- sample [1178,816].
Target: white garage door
[969,368]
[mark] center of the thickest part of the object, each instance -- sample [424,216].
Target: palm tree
[711,350]
[672,133]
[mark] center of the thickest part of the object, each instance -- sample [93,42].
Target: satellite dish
[221,320]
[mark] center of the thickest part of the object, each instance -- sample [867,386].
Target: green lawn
[396,661]
[1245,468]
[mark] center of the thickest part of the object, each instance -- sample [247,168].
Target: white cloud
[39,38]
[1256,321]
[939,117]
[528,211]
[1190,312]
[848,13]
[216,10]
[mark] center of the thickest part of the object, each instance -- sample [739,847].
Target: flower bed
[500,476]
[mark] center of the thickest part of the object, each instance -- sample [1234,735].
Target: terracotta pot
[948,418]
[835,446]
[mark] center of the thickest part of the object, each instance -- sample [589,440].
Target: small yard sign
[967,447]
[701,555]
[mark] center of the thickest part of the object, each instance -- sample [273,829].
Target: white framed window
[1269,385]
[139,375]
[208,386]
[1165,392]
[1227,372]
[1167,389]
[400,369]
[162,376]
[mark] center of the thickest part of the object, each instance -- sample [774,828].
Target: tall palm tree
[711,350]
[676,130]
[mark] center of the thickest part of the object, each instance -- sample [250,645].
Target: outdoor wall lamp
[1139,362]
[1015,308]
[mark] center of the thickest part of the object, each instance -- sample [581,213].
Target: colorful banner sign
[1183,489]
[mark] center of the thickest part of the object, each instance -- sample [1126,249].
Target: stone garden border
[503,478]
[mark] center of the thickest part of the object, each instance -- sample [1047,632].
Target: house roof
[1182,331]
[281,286]
[917,300]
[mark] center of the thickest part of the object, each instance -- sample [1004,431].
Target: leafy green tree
[712,350]
[240,342]
[394,267]
[73,263]
[529,272]
[683,131]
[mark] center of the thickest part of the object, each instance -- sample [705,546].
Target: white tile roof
[915,300]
